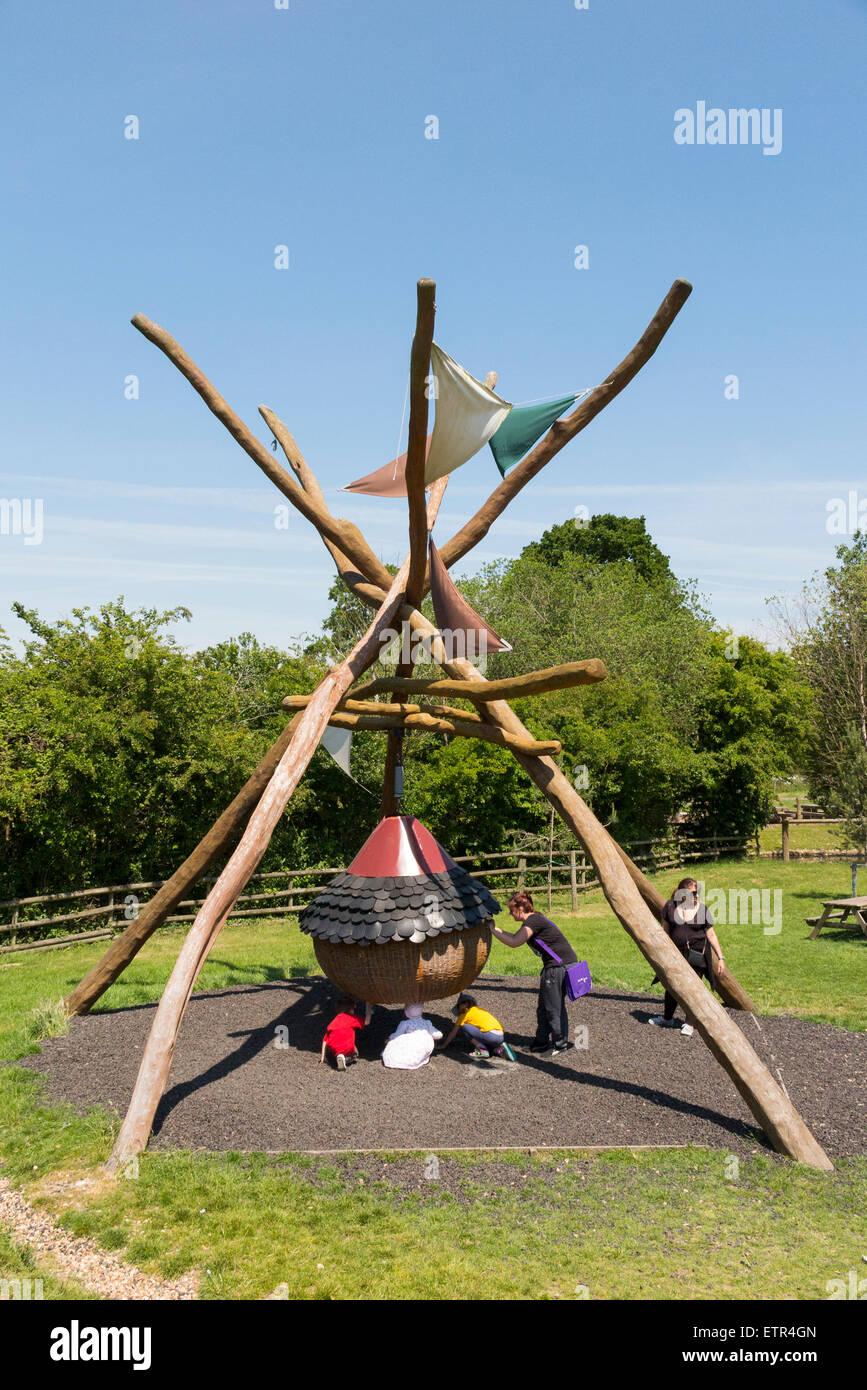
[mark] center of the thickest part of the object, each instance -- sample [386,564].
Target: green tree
[687,719]
[827,630]
[119,749]
[604,539]
[630,739]
[756,723]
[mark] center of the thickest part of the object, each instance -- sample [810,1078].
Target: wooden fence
[33,924]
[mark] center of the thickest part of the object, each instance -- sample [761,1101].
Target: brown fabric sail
[388,481]
[454,615]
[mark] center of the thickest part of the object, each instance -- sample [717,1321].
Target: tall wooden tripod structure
[250,819]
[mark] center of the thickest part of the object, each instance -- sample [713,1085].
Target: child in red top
[339,1043]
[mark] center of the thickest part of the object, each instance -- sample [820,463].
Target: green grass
[804,835]
[823,980]
[48,1019]
[621,1225]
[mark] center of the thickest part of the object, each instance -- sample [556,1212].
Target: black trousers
[670,1004]
[552,1020]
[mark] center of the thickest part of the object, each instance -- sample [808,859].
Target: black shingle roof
[359,911]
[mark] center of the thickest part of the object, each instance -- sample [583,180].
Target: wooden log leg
[766,1099]
[218,839]
[156,1062]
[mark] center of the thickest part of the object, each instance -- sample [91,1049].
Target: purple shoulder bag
[578,980]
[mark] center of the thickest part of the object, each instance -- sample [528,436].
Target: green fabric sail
[522,427]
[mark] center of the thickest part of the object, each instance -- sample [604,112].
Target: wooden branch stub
[475,687]
[294,457]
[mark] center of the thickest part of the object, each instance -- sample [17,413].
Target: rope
[553,397]
[400,431]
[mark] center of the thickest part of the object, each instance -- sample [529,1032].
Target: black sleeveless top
[684,934]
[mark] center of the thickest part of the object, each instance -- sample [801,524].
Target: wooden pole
[416,452]
[784,824]
[157,1059]
[573,879]
[393,760]
[416,458]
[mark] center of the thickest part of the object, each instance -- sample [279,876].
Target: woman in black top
[690,926]
[552,1021]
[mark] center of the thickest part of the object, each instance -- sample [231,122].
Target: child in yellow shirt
[481,1027]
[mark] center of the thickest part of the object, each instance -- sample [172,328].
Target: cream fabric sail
[467,414]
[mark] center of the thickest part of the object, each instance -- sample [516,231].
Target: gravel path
[233,1086]
[76,1257]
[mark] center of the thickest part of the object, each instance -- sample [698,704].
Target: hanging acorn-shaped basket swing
[404,924]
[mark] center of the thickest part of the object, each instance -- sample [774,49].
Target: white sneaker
[664,1022]
[341,1062]
[687,1030]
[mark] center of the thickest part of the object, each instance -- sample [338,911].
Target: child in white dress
[412,1041]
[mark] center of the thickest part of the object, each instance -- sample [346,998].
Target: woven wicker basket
[402,972]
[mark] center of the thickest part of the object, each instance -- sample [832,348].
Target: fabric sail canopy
[467,415]
[454,615]
[523,426]
[388,481]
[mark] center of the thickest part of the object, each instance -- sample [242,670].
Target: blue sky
[306,127]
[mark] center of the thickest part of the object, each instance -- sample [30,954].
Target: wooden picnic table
[837,912]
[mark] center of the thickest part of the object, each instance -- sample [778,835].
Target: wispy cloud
[231,498]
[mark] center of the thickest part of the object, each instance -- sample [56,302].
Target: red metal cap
[400,847]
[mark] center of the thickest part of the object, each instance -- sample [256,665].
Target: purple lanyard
[544,946]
